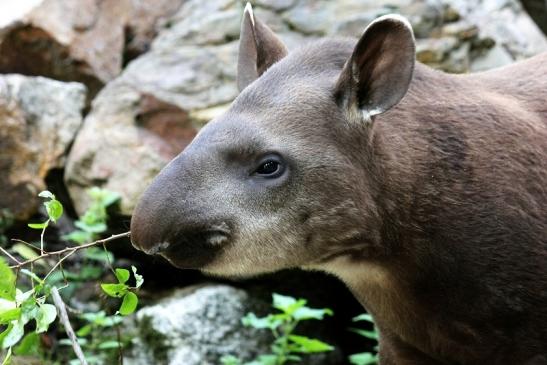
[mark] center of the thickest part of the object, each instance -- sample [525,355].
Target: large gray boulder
[39,119]
[196,326]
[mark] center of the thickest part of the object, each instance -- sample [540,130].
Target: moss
[157,342]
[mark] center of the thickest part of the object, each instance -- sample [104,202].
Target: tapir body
[426,193]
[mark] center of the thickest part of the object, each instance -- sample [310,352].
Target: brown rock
[80,40]
[127,138]
[38,121]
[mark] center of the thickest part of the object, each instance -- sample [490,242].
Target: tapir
[424,192]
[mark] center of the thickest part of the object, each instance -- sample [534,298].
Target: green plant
[97,337]
[366,358]
[286,346]
[94,221]
[20,307]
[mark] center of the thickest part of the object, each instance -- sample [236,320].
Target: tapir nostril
[157,249]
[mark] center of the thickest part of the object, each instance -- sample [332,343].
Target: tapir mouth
[193,250]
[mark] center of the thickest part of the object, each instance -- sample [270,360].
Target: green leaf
[91,228]
[46,194]
[230,360]
[46,315]
[9,315]
[32,275]
[129,304]
[97,254]
[115,290]
[251,320]
[373,335]
[103,196]
[363,317]
[38,225]
[23,297]
[122,275]
[78,236]
[107,345]
[29,310]
[54,209]
[25,251]
[304,313]
[267,360]
[29,346]
[7,281]
[12,334]
[309,345]
[139,280]
[283,302]
[365,358]
[84,331]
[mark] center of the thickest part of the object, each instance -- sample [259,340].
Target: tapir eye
[270,167]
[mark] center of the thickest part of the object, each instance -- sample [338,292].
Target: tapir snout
[172,221]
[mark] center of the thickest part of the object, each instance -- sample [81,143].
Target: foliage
[365,358]
[94,221]
[96,341]
[124,291]
[287,346]
[21,307]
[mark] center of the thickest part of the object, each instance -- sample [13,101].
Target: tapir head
[284,178]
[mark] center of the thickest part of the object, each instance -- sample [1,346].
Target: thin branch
[26,243]
[63,317]
[9,255]
[70,250]
[59,263]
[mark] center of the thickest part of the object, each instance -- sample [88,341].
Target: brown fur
[434,212]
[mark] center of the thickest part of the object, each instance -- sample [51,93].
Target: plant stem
[69,250]
[63,317]
[42,237]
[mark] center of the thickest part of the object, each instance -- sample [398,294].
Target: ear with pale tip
[259,48]
[379,71]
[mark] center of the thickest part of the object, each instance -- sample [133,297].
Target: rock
[458,60]
[462,30]
[181,78]
[277,5]
[39,119]
[146,17]
[199,325]
[77,40]
[127,138]
[311,16]
[494,57]
[435,50]
[202,23]
[506,22]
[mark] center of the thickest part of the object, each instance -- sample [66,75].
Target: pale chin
[241,272]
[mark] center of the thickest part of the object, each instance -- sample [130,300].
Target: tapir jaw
[189,249]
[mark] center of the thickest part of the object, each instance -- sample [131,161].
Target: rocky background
[106,92]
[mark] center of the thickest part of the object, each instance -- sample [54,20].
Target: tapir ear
[378,73]
[259,48]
